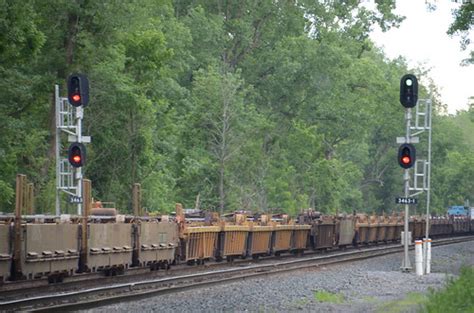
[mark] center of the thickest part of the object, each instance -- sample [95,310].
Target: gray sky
[422,40]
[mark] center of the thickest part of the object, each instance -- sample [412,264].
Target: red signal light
[406,160]
[76,97]
[76,158]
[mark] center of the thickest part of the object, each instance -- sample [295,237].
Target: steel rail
[24,287]
[123,291]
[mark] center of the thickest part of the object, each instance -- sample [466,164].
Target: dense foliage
[462,25]
[457,296]
[226,104]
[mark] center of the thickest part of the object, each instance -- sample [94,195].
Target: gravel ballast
[373,285]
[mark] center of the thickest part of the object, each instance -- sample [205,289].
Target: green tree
[462,25]
[21,132]
[215,123]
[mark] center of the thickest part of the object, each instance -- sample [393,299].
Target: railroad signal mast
[407,155]
[69,114]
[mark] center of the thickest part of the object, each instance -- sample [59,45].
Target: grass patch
[301,302]
[324,296]
[412,300]
[457,296]
[370,299]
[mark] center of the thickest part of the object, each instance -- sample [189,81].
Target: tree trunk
[73,21]
[221,188]
[312,200]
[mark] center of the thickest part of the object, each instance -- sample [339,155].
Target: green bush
[325,296]
[458,296]
[411,302]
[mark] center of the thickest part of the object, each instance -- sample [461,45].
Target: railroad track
[22,288]
[103,294]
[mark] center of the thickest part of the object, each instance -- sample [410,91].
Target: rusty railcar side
[383,227]
[259,241]
[416,228]
[5,252]
[422,228]
[232,241]
[158,242]
[373,229]
[465,225]
[448,228]
[460,225]
[456,225]
[110,247]
[436,227]
[441,226]
[49,250]
[399,229]
[199,243]
[281,239]
[299,239]
[391,228]
[345,230]
[362,229]
[325,233]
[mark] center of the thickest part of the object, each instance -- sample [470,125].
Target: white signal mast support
[79,115]
[58,147]
[424,123]
[423,119]
[68,179]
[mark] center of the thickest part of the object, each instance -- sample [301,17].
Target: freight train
[56,247]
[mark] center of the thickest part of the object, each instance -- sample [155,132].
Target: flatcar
[56,247]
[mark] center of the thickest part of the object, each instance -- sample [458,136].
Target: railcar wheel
[163,265]
[51,279]
[60,278]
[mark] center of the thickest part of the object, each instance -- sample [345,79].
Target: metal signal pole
[406,266]
[428,179]
[426,262]
[407,153]
[69,176]
[407,158]
[423,122]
